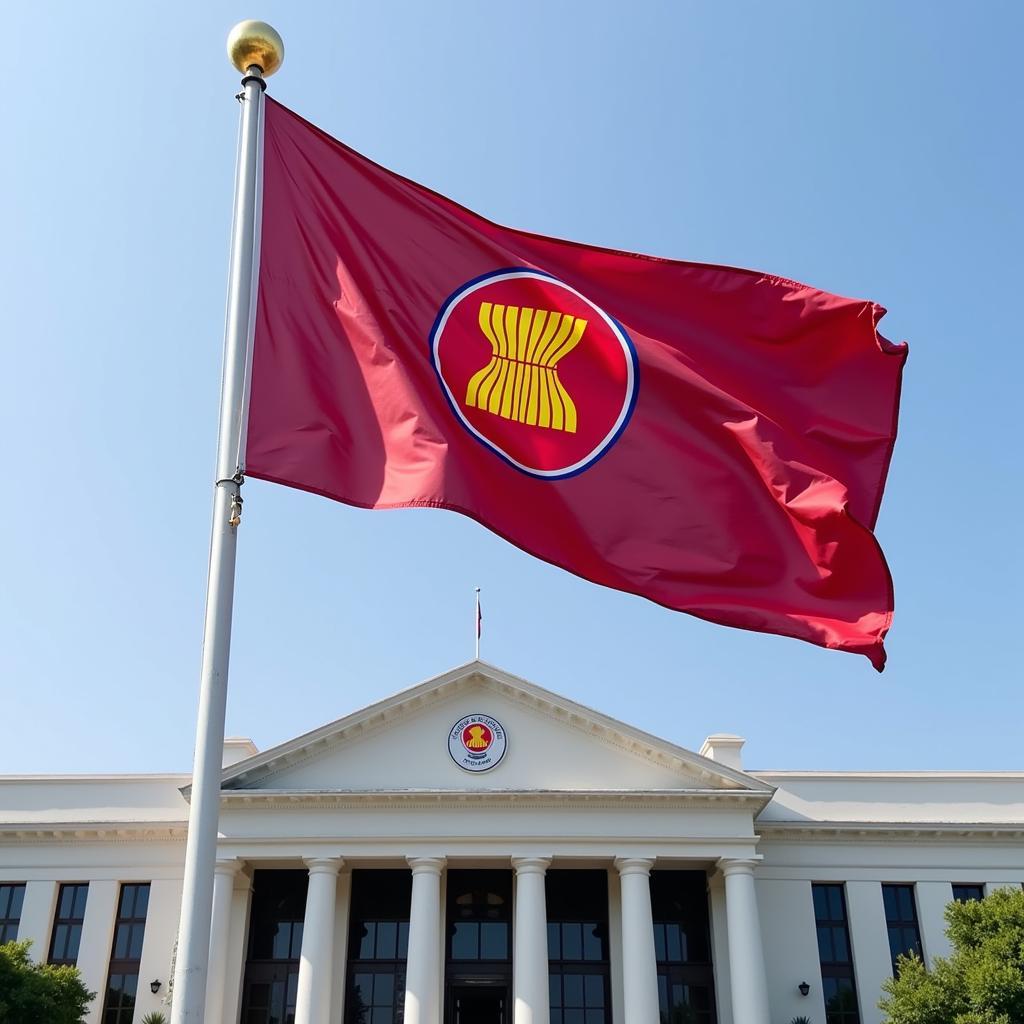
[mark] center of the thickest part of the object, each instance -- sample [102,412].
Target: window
[480,916]
[966,893]
[901,921]
[378,946]
[67,925]
[836,957]
[11,899]
[577,910]
[682,945]
[275,944]
[129,931]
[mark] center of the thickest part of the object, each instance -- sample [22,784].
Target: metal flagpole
[478,623]
[256,50]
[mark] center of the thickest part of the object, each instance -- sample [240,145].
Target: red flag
[713,439]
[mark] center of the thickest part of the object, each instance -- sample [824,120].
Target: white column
[871,964]
[639,964]
[37,917]
[97,938]
[990,887]
[341,915]
[423,967]
[746,953]
[316,962]
[530,990]
[932,900]
[158,946]
[238,940]
[220,927]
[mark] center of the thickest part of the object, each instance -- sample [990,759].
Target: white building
[479,850]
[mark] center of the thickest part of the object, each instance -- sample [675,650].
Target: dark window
[965,893]
[901,921]
[378,945]
[67,924]
[835,954]
[682,945]
[129,931]
[480,916]
[275,942]
[119,1006]
[577,910]
[11,899]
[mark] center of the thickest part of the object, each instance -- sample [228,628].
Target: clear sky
[869,148]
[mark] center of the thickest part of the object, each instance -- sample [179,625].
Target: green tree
[982,982]
[31,993]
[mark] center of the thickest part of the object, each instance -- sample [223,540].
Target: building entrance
[478,955]
[476,1004]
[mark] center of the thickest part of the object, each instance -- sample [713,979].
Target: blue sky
[870,148]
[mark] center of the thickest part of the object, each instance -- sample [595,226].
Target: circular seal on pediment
[477,743]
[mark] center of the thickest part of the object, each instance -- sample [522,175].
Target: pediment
[400,745]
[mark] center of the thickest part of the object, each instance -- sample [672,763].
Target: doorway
[478,1004]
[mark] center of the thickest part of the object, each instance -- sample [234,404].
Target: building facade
[480,850]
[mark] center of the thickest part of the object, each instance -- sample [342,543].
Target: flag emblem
[536,371]
[476,742]
[476,738]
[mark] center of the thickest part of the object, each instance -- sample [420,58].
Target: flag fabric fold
[713,439]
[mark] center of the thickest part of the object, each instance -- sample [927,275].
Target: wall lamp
[154,987]
[804,988]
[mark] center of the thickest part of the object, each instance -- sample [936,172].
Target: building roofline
[268,761]
[100,777]
[923,776]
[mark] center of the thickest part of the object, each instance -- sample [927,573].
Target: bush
[31,992]
[981,983]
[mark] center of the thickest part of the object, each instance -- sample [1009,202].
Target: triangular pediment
[552,744]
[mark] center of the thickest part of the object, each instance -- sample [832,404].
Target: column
[158,945]
[97,939]
[37,917]
[423,967]
[869,937]
[639,964]
[932,900]
[746,954]
[341,924]
[530,991]
[238,940]
[316,962]
[220,926]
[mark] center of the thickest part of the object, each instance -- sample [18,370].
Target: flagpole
[476,624]
[256,50]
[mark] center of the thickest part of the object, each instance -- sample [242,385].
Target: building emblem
[535,371]
[476,742]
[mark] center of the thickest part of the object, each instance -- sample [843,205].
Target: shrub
[31,992]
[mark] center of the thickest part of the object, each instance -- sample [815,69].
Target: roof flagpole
[257,51]
[478,623]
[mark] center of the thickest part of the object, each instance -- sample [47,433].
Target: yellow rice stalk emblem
[521,383]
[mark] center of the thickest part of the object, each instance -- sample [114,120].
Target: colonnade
[424,965]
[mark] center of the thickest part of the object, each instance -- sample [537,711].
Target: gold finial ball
[255,42]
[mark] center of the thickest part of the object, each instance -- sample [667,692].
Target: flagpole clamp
[237,501]
[258,78]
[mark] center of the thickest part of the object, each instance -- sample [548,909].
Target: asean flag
[715,440]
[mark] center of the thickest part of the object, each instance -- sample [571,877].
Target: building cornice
[291,799]
[876,831]
[916,776]
[95,831]
[178,778]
